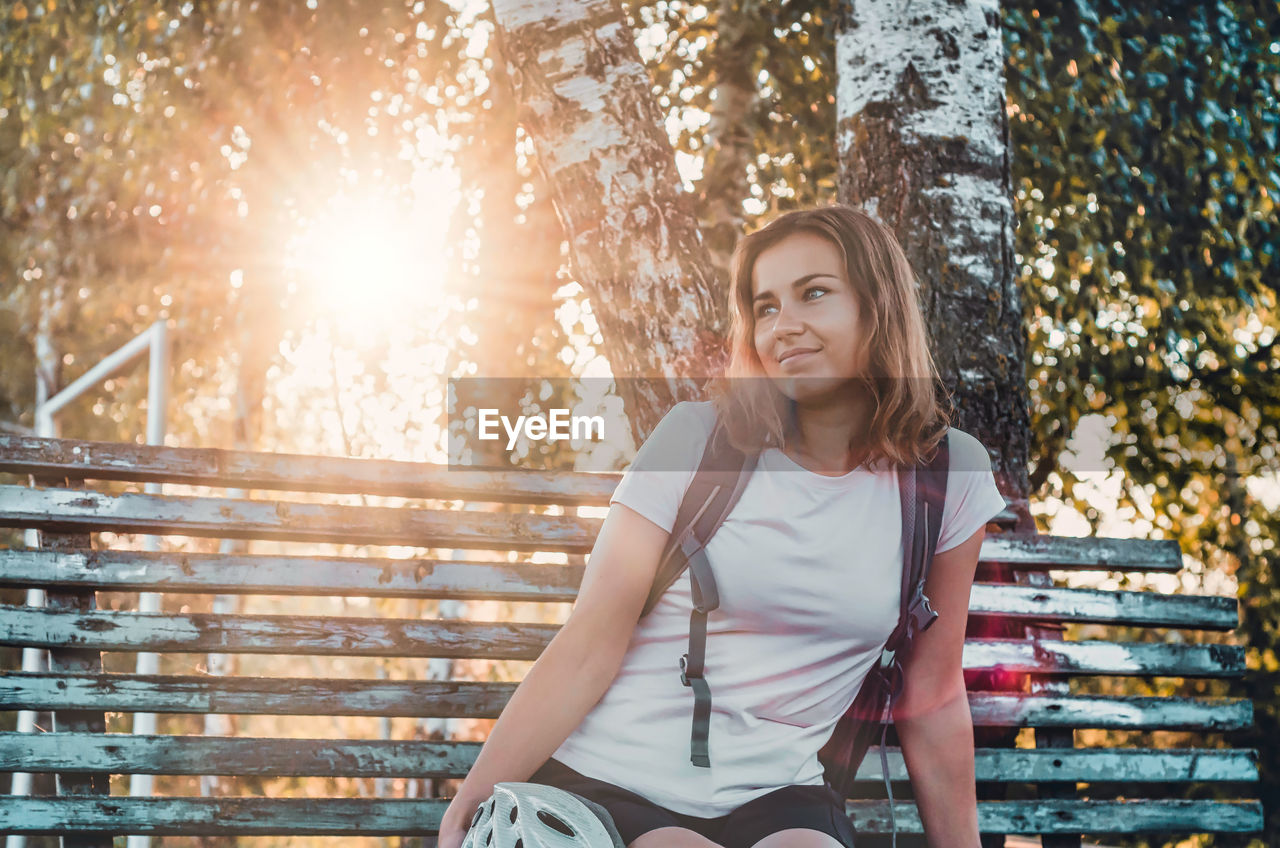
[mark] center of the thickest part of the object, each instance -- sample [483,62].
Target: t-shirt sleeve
[655,482]
[972,496]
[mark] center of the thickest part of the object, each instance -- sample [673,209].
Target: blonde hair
[908,415]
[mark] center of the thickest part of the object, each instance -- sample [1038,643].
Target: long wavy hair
[909,412]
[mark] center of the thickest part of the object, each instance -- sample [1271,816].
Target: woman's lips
[797,358]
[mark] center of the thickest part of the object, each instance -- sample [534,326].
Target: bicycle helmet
[531,815]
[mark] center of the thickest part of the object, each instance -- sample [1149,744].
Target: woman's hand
[456,821]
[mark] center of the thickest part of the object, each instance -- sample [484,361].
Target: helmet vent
[513,814]
[476,817]
[555,823]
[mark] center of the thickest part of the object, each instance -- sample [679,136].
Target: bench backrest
[485,537]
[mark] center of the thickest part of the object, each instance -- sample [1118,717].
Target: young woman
[832,382]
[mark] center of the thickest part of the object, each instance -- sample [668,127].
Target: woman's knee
[798,838]
[672,837]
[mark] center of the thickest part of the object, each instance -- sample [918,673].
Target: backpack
[717,485]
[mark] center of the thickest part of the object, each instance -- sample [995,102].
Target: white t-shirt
[808,568]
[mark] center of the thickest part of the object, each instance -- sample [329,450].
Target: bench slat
[70,510]
[475,699]
[78,460]
[82,510]
[1050,816]
[274,634]
[1101,606]
[120,753]
[434,578]
[376,817]
[255,695]
[380,577]
[1047,656]
[1086,553]
[387,637]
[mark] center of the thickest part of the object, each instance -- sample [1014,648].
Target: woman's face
[806,316]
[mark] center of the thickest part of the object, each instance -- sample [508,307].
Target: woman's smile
[797,359]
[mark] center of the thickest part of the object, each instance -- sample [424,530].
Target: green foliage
[791,124]
[1145,166]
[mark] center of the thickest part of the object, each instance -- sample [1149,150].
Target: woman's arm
[577,666]
[932,714]
[938,748]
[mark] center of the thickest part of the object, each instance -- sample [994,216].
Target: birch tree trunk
[922,140]
[724,177]
[584,98]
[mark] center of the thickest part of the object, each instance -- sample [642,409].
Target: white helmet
[531,815]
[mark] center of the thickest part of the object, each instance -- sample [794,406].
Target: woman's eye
[762,310]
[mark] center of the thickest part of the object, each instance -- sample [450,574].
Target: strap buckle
[684,671]
[922,614]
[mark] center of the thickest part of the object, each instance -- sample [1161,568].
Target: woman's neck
[823,434]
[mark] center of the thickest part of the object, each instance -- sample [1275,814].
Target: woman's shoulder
[703,412]
[677,442]
[688,420]
[967,452]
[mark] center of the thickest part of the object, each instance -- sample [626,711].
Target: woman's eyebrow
[795,284]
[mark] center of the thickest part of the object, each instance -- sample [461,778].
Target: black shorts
[814,807]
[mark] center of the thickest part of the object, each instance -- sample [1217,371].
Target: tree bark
[922,139]
[584,99]
[724,182]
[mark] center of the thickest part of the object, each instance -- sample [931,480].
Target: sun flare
[367,258]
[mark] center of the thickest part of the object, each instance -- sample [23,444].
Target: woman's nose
[785,323]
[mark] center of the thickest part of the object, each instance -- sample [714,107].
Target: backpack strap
[716,486]
[714,489]
[926,501]
[922,494]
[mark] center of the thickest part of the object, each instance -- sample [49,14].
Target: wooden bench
[1054,788]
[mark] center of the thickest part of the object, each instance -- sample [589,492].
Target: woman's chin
[809,388]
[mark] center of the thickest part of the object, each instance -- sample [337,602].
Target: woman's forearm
[937,745]
[567,680]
